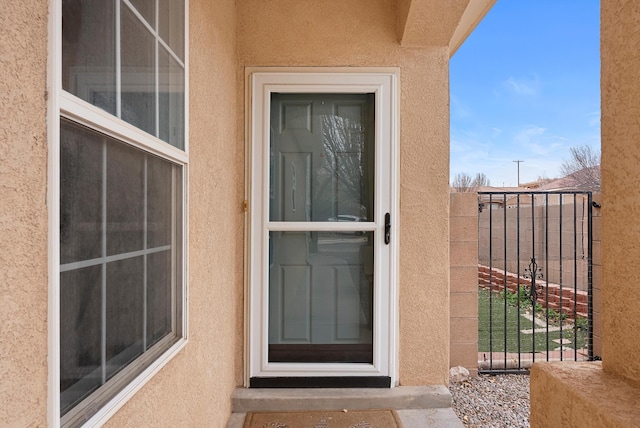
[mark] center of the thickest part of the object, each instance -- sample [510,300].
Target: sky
[525,86]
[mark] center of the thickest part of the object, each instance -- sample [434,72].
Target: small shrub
[582,324]
[556,316]
[517,299]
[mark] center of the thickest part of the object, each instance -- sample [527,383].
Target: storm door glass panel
[322,157]
[322,165]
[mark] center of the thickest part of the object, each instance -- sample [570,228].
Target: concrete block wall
[463,247]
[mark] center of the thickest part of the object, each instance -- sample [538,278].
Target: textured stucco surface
[620,58]
[23,214]
[422,27]
[194,389]
[364,33]
[582,395]
[594,394]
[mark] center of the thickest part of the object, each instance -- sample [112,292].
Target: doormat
[379,418]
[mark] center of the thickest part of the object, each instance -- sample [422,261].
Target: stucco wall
[571,394]
[590,394]
[194,389]
[364,33]
[23,214]
[620,58]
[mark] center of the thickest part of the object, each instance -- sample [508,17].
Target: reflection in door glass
[322,157]
[320,297]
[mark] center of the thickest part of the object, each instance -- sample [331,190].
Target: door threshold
[321,382]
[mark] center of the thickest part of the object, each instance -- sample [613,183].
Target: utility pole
[518,162]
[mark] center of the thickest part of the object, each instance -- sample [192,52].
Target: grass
[494,333]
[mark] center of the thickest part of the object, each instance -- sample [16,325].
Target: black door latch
[387,228]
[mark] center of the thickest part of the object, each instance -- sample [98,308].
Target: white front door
[322,289]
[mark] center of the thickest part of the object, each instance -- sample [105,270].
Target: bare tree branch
[480,180]
[463,182]
[583,167]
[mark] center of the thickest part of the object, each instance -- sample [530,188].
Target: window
[121,170]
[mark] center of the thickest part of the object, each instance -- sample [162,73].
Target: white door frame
[261,82]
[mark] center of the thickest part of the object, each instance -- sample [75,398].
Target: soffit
[439,22]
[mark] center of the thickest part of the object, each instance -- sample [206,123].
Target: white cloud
[523,86]
[530,139]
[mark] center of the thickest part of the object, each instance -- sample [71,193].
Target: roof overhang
[439,23]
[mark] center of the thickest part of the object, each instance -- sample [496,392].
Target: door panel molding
[261,83]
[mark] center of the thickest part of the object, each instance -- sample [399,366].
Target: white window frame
[260,83]
[63,104]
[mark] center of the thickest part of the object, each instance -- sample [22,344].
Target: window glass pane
[159,197]
[80,338]
[81,154]
[171,25]
[125,199]
[138,73]
[125,313]
[88,51]
[142,299]
[171,100]
[158,296]
[146,8]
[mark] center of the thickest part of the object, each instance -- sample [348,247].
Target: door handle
[387,228]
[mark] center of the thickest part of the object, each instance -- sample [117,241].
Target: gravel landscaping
[492,401]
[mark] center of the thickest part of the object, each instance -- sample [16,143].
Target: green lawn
[496,332]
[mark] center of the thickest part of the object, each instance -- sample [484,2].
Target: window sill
[110,409]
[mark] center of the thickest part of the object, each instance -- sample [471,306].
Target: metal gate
[535,279]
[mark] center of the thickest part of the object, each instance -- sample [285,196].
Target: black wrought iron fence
[535,279]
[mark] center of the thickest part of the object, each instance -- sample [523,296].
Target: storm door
[325,234]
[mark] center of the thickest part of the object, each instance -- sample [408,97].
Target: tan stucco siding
[23,214]
[363,33]
[424,216]
[620,58]
[194,389]
[423,27]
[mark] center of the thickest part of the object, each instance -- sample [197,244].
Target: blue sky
[525,86]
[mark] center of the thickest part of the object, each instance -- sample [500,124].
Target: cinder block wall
[463,247]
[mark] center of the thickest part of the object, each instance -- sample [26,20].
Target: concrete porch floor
[417,406]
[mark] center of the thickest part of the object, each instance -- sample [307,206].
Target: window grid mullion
[145,257]
[103,291]
[157,70]
[118,61]
[155,32]
[174,312]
